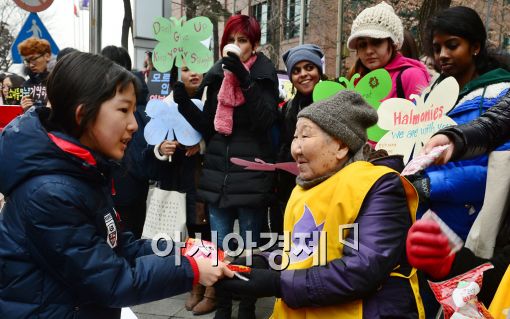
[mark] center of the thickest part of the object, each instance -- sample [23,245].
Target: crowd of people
[76,172]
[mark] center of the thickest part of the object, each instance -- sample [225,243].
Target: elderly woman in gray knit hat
[347,221]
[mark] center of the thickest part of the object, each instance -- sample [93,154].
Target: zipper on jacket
[226,164]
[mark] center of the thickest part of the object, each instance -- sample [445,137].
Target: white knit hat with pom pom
[377,22]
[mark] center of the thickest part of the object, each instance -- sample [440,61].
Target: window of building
[292,17]
[261,12]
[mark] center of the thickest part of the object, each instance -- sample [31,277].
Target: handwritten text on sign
[410,125]
[185,42]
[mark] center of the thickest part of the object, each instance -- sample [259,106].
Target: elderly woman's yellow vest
[500,306]
[333,203]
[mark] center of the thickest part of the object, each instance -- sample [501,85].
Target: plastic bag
[458,295]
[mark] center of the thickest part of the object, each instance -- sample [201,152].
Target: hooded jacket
[476,138]
[415,76]
[457,189]
[62,254]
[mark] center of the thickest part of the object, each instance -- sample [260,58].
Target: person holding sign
[62,252]
[457,39]
[324,274]
[469,140]
[377,34]
[36,56]
[239,111]
[178,174]
[12,89]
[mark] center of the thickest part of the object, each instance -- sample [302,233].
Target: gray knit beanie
[303,52]
[345,115]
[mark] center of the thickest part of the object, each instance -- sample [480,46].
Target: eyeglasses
[32,60]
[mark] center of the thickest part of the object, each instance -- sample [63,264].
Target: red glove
[428,249]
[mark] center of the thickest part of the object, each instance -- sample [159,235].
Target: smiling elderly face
[315,151]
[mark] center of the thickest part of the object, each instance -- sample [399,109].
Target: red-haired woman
[241,108]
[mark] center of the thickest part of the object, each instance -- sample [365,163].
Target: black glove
[262,283]
[234,65]
[422,184]
[180,94]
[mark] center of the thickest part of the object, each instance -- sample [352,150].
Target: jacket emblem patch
[111,230]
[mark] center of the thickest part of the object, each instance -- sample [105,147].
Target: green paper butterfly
[374,87]
[180,41]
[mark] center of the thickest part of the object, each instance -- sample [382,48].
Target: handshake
[255,281]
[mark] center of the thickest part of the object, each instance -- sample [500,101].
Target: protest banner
[8,113]
[158,84]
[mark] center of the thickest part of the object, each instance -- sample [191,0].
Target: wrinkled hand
[438,140]
[180,95]
[262,283]
[232,63]
[421,182]
[428,249]
[168,147]
[26,103]
[210,274]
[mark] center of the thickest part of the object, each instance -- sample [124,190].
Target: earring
[253,52]
[475,53]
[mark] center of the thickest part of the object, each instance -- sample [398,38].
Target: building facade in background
[280,22]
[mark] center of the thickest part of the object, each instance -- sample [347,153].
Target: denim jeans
[250,219]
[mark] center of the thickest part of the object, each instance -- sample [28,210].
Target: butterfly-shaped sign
[410,125]
[374,87]
[167,123]
[183,42]
[260,165]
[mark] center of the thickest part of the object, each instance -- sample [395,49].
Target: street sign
[34,5]
[33,27]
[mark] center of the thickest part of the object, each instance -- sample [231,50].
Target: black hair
[409,48]
[463,22]
[65,51]
[118,55]
[83,79]
[16,80]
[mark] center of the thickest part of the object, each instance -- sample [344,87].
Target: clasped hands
[262,280]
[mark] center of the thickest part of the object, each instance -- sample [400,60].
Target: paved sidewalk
[174,308]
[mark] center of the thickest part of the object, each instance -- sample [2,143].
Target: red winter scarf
[229,96]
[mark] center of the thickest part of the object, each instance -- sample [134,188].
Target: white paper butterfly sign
[410,125]
[168,124]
